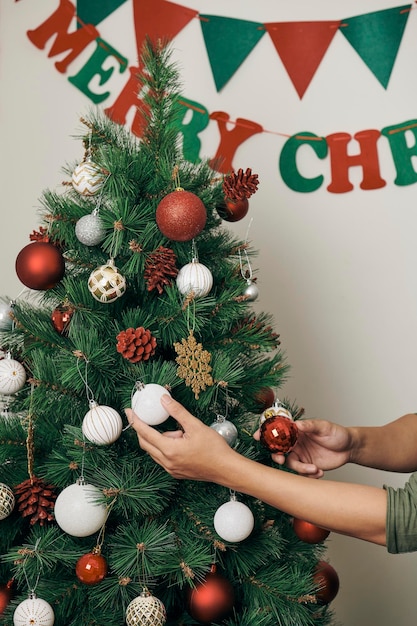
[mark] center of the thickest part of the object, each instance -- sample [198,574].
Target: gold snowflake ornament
[194,364]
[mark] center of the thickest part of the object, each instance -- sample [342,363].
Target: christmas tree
[142,289]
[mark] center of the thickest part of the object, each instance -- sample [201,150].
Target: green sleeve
[402,517]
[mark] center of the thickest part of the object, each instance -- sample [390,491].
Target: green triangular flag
[228,43]
[376,37]
[95,11]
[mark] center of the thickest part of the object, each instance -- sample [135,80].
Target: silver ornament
[251,292]
[89,229]
[226,429]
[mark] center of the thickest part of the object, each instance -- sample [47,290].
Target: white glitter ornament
[12,375]
[90,230]
[102,425]
[106,283]
[146,610]
[77,511]
[87,178]
[33,612]
[6,321]
[7,501]
[146,403]
[194,277]
[233,521]
[226,429]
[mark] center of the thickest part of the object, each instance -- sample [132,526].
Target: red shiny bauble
[264,398]
[212,599]
[309,533]
[233,210]
[6,594]
[61,317]
[91,568]
[40,265]
[327,581]
[278,434]
[181,215]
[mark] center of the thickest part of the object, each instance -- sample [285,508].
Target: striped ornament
[194,277]
[12,376]
[87,178]
[102,425]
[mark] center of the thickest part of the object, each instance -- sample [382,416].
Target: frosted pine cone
[160,269]
[240,185]
[136,344]
[36,500]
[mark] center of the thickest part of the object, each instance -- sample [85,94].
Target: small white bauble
[146,610]
[194,277]
[233,521]
[87,178]
[6,311]
[7,501]
[226,429]
[12,376]
[90,230]
[33,612]
[106,283]
[251,292]
[77,511]
[146,403]
[102,425]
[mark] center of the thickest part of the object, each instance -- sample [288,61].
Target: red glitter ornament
[278,434]
[61,317]
[309,533]
[6,594]
[212,599]
[91,568]
[326,579]
[233,210]
[40,265]
[181,215]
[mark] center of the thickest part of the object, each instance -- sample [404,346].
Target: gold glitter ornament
[194,364]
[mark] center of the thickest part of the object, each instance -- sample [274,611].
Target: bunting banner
[95,11]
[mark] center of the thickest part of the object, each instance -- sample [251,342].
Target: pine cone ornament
[136,344]
[36,500]
[240,185]
[39,235]
[160,269]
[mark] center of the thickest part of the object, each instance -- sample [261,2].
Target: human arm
[198,452]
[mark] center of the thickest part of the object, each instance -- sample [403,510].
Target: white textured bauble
[146,610]
[6,311]
[226,429]
[233,521]
[102,425]
[87,178]
[33,612]
[251,292]
[106,284]
[146,403]
[12,376]
[77,511]
[194,277]
[90,230]
[275,410]
[7,501]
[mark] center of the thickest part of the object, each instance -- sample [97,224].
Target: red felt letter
[230,140]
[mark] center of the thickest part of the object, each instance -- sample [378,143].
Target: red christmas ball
[264,398]
[91,568]
[40,265]
[6,594]
[327,581]
[233,210]
[212,599]
[181,215]
[278,434]
[309,533]
[61,317]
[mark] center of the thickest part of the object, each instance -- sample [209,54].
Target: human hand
[321,446]
[196,452]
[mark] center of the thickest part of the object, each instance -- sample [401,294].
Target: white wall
[338,271]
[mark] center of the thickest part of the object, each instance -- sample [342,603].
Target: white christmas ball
[6,321]
[146,610]
[87,178]
[233,521]
[106,283]
[77,511]
[90,230]
[102,425]
[7,501]
[226,429]
[146,403]
[33,612]
[12,376]
[194,277]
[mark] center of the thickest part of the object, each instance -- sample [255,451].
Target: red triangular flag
[159,19]
[301,47]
